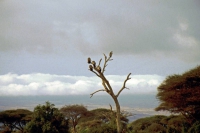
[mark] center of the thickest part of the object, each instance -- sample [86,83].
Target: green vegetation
[47,119]
[73,113]
[97,121]
[13,120]
[160,124]
[100,121]
[179,94]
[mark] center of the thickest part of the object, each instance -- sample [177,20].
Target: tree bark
[118,113]
[107,87]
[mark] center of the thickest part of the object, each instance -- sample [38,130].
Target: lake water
[139,105]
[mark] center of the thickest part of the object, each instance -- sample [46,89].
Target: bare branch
[94,72]
[99,62]
[110,107]
[124,85]
[104,66]
[96,69]
[110,59]
[105,56]
[104,85]
[105,62]
[96,92]
[127,88]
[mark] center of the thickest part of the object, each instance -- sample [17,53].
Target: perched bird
[94,63]
[98,68]
[89,60]
[111,54]
[91,67]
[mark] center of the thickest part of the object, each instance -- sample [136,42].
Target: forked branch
[124,85]
[95,73]
[106,60]
[105,87]
[99,62]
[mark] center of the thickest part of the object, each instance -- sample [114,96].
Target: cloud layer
[126,27]
[56,37]
[46,84]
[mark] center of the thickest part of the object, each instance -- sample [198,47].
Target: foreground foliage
[181,94]
[73,113]
[13,120]
[163,124]
[47,119]
[100,121]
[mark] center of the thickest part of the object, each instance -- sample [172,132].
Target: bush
[145,124]
[156,128]
[47,119]
[195,128]
[162,124]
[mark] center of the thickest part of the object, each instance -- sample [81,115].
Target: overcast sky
[44,44]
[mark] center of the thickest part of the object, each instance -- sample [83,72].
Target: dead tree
[99,72]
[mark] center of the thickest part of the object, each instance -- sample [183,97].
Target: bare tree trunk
[118,113]
[74,126]
[96,69]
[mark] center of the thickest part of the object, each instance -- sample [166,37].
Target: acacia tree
[15,119]
[73,113]
[181,94]
[100,120]
[99,72]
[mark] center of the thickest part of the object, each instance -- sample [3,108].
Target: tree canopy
[15,119]
[47,119]
[73,113]
[100,121]
[160,124]
[181,94]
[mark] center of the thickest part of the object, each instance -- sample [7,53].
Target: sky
[44,45]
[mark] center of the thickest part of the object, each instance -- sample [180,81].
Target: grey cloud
[38,36]
[148,30]
[151,31]
[29,27]
[125,27]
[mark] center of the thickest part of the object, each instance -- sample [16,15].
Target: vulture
[98,68]
[94,63]
[111,54]
[89,60]
[91,67]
